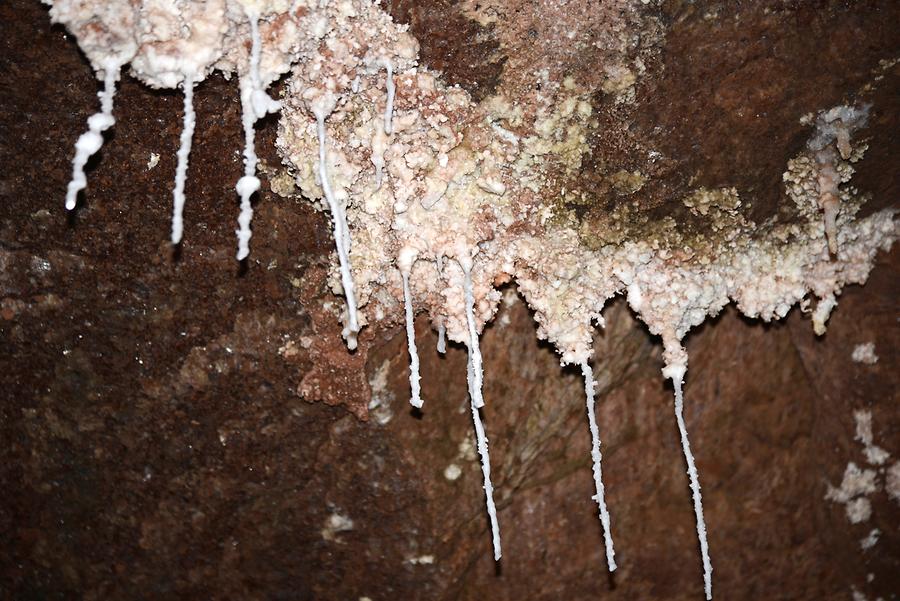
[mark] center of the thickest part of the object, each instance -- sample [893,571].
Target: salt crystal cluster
[437,201]
[864,353]
[858,484]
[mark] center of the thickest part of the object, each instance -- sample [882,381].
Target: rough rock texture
[159,433]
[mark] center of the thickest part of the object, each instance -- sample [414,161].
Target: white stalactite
[92,140]
[676,373]
[474,348]
[255,104]
[389,105]
[405,262]
[442,329]
[248,184]
[482,441]
[341,234]
[416,398]
[442,338]
[184,153]
[596,458]
[379,145]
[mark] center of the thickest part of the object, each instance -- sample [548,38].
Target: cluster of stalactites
[166,54]
[475,382]
[675,370]
[474,371]
[648,278]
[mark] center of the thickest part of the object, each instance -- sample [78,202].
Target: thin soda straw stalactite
[474,348]
[596,458]
[184,153]
[92,140]
[482,445]
[248,184]
[676,373]
[341,234]
[442,329]
[405,262]
[416,394]
[474,380]
[255,104]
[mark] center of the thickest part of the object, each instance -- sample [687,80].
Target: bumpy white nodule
[596,458]
[676,373]
[92,140]
[416,394]
[482,441]
[184,153]
[341,234]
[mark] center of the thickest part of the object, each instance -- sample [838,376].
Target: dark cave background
[179,427]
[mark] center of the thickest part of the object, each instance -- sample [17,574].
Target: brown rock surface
[159,431]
